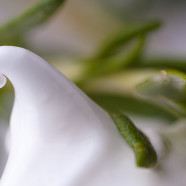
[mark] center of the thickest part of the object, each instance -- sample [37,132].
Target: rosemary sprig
[112,57]
[124,35]
[133,105]
[167,89]
[143,149]
[100,67]
[163,63]
[13,32]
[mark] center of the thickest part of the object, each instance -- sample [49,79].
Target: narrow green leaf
[117,62]
[168,86]
[163,63]
[124,35]
[165,84]
[144,151]
[13,31]
[134,105]
[113,55]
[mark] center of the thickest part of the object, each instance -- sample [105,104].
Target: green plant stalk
[168,105]
[124,35]
[143,150]
[14,30]
[116,63]
[163,63]
[134,105]
[168,90]
[110,59]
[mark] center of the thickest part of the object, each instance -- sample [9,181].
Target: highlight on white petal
[59,137]
[2,80]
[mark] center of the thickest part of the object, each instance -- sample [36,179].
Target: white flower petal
[59,137]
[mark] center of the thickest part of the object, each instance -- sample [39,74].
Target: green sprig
[113,56]
[167,89]
[115,63]
[163,63]
[13,32]
[144,151]
[124,35]
[133,105]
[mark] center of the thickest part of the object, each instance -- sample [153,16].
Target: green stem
[100,67]
[124,35]
[134,105]
[167,89]
[163,63]
[144,151]
[38,14]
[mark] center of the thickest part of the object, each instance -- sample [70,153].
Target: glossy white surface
[59,137]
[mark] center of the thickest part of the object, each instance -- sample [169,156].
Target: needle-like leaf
[134,105]
[117,62]
[163,62]
[144,151]
[124,35]
[12,32]
[113,55]
[167,88]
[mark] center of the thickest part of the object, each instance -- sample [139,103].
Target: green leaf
[144,151]
[163,63]
[124,35]
[117,62]
[133,105]
[113,55]
[12,32]
[167,88]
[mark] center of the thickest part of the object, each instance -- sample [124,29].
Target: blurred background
[88,40]
[78,27]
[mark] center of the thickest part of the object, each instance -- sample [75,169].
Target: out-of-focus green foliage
[111,57]
[117,62]
[162,96]
[167,88]
[168,84]
[12,33]
[125,35]
[133,105]
[163,63]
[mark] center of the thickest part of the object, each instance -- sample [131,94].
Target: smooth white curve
[59,137]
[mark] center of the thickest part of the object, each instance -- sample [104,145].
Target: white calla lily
[59,137]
